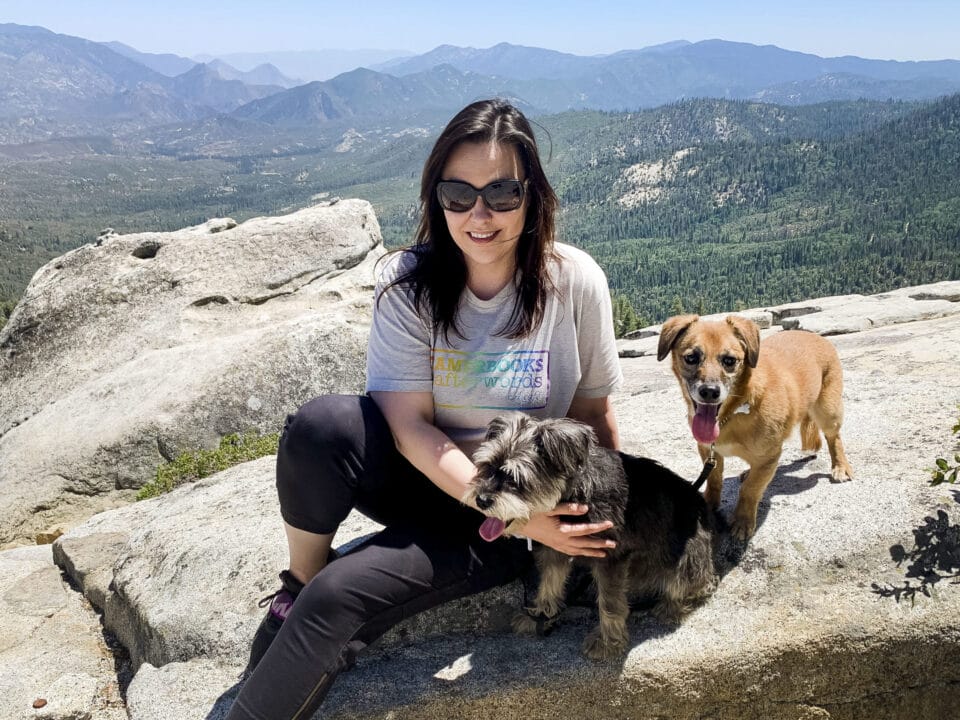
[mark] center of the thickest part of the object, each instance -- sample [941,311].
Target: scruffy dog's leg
[554,570]
[609,639]
[693,581]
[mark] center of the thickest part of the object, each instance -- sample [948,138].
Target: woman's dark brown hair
[439,273]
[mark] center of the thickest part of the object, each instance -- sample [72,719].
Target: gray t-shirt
[476,378]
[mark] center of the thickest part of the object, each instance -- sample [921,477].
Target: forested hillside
[701,205]
[748,222]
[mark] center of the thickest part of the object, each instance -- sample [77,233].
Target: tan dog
[745,397]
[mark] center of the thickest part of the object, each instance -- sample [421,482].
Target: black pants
[336,454]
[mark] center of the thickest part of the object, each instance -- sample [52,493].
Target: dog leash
[708,466]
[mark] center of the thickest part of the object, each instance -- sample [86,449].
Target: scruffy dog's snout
[484,502]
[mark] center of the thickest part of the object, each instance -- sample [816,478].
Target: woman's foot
[280,604]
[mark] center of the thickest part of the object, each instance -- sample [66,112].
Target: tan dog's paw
[597,648]
[743,528]
[841,473]
[712,496]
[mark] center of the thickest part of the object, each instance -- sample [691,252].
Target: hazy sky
[882,29]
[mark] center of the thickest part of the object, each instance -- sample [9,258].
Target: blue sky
[882,29]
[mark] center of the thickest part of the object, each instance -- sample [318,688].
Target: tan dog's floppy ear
[566,443]
[749,334]
[670,332]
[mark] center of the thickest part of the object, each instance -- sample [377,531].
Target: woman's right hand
[569,538]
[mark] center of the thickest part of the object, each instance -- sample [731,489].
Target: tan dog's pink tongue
[492,528]
[705,427]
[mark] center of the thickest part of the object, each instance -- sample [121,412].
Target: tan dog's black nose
[709,393]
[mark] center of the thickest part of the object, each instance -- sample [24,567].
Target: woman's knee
[308,467]
[341,604]
[324,454]
[324,422]
[360,595]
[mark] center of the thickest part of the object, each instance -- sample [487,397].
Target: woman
[485,313]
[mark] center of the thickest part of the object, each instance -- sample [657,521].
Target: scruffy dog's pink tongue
[492,528]
[705,427]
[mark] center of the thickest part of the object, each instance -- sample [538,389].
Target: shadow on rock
[223,703]
[786,483]
[935,557]
[730,552]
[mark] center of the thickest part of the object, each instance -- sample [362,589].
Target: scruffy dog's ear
[497,426]
[670,332]
[565,442]
[748,332]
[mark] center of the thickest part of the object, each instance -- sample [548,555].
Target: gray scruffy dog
[663,529]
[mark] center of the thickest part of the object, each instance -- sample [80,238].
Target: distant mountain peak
[15,29]
[667,46]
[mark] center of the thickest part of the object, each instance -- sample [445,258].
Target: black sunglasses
[499,196]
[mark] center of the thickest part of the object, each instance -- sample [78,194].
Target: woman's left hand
[569,538]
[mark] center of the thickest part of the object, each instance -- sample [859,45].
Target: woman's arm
[598,414]
[410,417]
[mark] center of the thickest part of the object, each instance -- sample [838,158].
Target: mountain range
[173,65]
[712,171]
[54,85]
[311,65]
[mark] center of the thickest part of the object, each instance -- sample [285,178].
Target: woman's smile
[484,238]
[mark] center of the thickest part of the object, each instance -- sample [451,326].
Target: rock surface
[836,315]
[129,351]
[821,616]
[52,649]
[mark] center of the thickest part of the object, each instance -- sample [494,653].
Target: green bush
[944,470]
[190,466]
[6,309]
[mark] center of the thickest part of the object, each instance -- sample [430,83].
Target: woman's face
[487,239]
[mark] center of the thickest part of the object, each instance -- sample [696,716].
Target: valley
[692,205]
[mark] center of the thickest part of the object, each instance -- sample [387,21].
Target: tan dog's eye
[692,357]
[729,362]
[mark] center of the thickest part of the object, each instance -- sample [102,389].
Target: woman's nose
[480,209]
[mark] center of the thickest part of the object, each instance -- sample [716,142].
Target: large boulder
[841,606]
[128,351]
